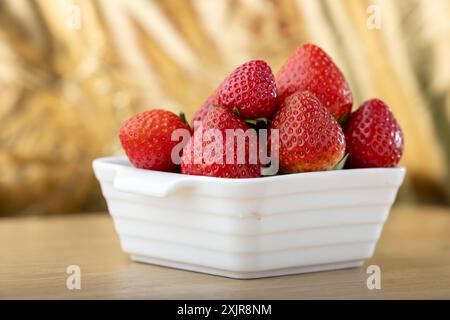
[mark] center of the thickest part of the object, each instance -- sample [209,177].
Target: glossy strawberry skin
[310,138]
[146,139]
[374,138]
[251,89]
[195,162]
[200,113]
[311,69]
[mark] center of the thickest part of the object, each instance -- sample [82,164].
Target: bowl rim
[116,162]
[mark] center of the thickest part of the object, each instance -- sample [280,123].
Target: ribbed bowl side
[248,262]
[290,222]
[299,236]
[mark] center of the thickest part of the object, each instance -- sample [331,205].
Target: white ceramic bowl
[248,228]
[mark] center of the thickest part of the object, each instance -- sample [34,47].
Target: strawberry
[250,89]
[146,139]
[311,69]
[197,161]
[200,113]
[310,138]
[374,138]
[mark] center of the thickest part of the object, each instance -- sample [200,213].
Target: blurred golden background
[66,84]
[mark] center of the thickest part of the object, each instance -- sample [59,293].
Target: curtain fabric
[66,84]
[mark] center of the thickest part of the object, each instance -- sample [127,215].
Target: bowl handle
[147,182]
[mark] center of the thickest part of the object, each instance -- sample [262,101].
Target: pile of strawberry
[309,102]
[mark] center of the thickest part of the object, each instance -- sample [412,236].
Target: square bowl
[248,228]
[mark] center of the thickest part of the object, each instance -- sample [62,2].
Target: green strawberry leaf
[343,119]
[257,121]
[340,165]
[236,111]
[183,117]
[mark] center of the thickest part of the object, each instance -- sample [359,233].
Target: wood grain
[413,254]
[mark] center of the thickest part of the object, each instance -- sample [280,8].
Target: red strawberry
[374,138]
[310,138]
[197,161]
[200,113]
[311,69]
[251,90]
[146,139]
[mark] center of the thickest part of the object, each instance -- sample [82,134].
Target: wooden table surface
[413,254]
